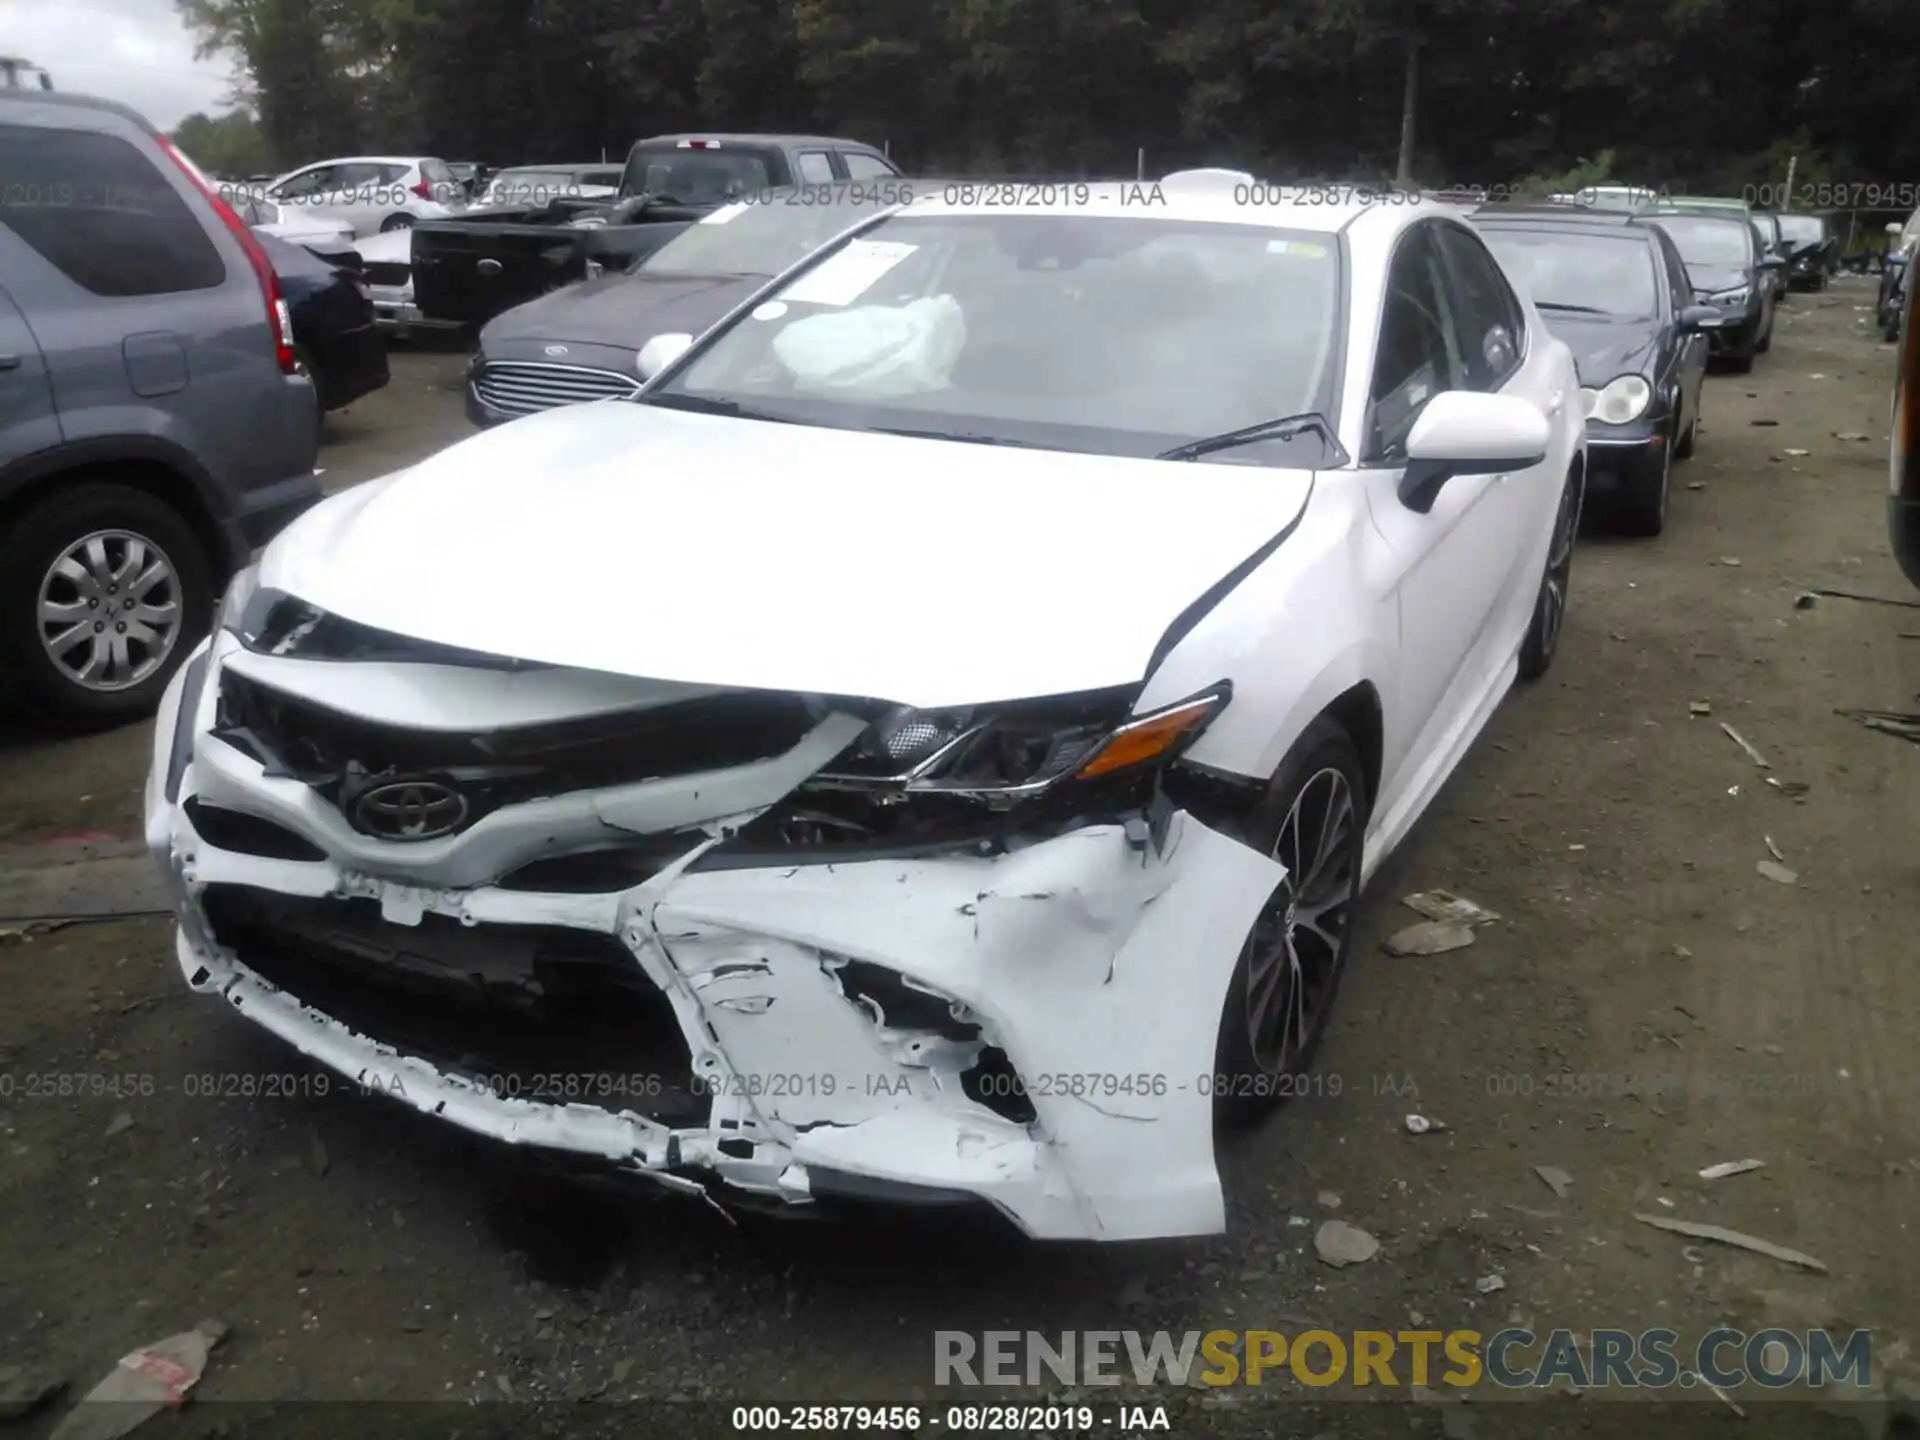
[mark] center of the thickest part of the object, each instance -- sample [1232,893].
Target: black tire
[399,221]
[1550,605]
[1739,364]
[1643,505]
[1288,954]
[1683,448]
[30,546]
[1766,341]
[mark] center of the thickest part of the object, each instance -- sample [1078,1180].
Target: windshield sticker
[843,278]
[772,310]
[1301,248]
[725,213]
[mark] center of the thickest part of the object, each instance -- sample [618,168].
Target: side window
[1418,357]
[1484,308]
[100,212]
[355,177]
[816,168]
[862,166]
[307,182]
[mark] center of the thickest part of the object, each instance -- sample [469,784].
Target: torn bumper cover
[1030,1024]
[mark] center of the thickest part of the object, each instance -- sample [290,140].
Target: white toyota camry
[928,746]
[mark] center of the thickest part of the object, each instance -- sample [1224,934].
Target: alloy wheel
[1298,941]
[108,610]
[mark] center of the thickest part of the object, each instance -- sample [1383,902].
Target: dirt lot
[1648,1005]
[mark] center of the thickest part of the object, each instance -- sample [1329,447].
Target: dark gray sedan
[582,342]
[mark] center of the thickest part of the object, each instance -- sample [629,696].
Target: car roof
[71,100]
[763,141]
[1714,217]
[1548,214]
[366,160]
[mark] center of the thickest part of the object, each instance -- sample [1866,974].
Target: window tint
[861,166]
[1418,355]
[1484,309]
[695,177]
[97,209]
[610,178]
[1681,286]
[433,171]
[815,167]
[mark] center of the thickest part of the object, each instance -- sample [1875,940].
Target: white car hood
[646,542]
[388,248]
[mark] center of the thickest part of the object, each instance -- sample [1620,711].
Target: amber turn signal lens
[1146,739]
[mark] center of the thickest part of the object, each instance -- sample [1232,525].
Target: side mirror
[1701,317]
[1465,432]
[660,352]
[1894,227]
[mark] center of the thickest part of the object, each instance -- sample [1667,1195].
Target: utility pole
[1409,98]
[1786,197]
[1140,164]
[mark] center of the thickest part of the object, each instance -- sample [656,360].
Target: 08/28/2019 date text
[958,1419]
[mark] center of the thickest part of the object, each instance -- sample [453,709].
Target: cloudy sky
[136,51]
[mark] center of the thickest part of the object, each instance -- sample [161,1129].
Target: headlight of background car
[1730,297]
[1624,399]
[1016,752]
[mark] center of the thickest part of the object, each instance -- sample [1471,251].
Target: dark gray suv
[155,427]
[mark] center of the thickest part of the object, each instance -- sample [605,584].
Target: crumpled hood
[635,540]
[1714,278]
[1605,347]
[622,310]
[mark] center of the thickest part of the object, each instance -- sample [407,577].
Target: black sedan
[582,342]
[1813,250]
[1727,271]
[1615,289]
[334,335]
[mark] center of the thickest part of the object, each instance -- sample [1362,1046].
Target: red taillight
[423,190]
[278,317]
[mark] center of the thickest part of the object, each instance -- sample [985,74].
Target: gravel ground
[1648,1004]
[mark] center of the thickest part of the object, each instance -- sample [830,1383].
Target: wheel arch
[148,465]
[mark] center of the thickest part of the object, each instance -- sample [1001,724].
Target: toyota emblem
[556,350]
[410,810]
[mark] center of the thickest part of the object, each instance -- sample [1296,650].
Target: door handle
[10,362]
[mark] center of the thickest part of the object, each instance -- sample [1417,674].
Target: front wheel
[104,590]
[1550,606]
[1313,821]
[401,221]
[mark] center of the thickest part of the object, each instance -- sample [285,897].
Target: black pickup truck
[469,268]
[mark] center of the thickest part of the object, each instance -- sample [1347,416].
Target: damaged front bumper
[1034,1028]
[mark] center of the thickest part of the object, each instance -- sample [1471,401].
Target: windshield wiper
[963,437]
[1285,428]
[1574,309]
[711,405]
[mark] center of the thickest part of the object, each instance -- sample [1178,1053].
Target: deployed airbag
[878,350]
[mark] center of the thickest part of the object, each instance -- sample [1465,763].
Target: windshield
[697,177]
[762,236]
[1705,241]
[1611,274]
[1803,229]
[1077,332]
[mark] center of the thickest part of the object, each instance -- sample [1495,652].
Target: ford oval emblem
[410,810]
[488,267]
[556,350]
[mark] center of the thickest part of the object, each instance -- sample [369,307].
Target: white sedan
[929,745]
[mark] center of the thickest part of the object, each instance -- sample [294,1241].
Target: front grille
[531,1012]
[387,272]
[342,758]
[518,387]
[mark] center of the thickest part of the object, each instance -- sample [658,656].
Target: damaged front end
[806,947]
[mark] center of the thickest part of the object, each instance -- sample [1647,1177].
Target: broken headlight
[1015,752]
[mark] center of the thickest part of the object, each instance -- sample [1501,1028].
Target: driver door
[1451,567]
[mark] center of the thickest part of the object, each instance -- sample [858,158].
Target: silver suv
[155,427]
